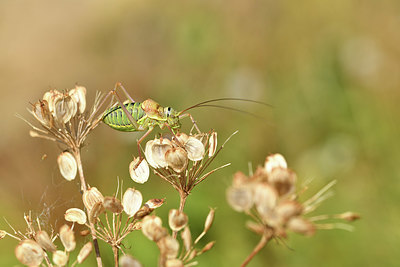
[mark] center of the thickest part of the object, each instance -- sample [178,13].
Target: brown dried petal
[195,149]
[139,170]
[67,238]
[132,201]
[177,220]
[208,246]
[29,252]
[129,261]
[75,215]
[155,203]
[85,252]
[44,240]
[177,159]
[113,204]
[349,216]
[91,197]
[60,258]
[240,198]
[67,165]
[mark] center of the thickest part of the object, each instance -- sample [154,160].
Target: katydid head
[172,117]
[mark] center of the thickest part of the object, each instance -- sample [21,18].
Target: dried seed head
[85,252]
[60,258]
[288,209]
[44,240]
[41,112]
[91,197]
[187,238]
[67,238]
[240,198]
[169,247]
[177,220]
[212,144]
[177,159]
[265,199]
[301,226]
[113,204]
[174,263]
[158,149]
[78,94]
[95,212]
[129,261]
[152,228]
[349,216]
[139,170]
[283,180]
[75,215]
[194,148]
[275,161]
[209,220]
[64,109]
[132,201]
[51,97]
[67,165]
[29,252]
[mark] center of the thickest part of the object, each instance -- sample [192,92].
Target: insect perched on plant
[134,116]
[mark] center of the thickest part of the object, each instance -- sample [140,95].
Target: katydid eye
[168,111]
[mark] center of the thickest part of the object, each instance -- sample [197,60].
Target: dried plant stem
[183,196]
[77,154]
[264,240]
[116,255]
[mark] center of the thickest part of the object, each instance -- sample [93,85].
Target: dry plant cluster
[269,196]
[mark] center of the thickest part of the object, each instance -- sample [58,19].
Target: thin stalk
[183,196]
[116,255]
[264,240]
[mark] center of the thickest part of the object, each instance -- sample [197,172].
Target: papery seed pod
[139,170]
[181,138]
[64,109]
[91,197]
[2,234]
[149,154]
[142,212]
[194,148]
[67,238]
[186,236]
[177,220]
[174,263]
[265,198]
[113,204]
[208,246]
[177,159]
[152,228]
[301,226]
[60,258]
[288,209]
[209,220]
[239,178]
[260,175]
[154,203]
[192,255]
[349,216]
[95,212]
[132,201]
[84,252]
[283,180]
[169,247]
[75,215]
[67,165]
[44,240]
[29,252]
[78,94]
[158,149]
[129,261]
[275,161]
[84,232]
[51,97]
[240,198]
[42,113]
[212,144]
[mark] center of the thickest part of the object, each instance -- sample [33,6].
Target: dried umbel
[29,252]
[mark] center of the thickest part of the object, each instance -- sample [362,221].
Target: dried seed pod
[113,204]
[132,201]
[2,234]
[67,238]
[139,170]
[288,209]
[169,247]
[177,220]
[194,148]
[209,220]
[44,240]
[177,159]
[95,212]
[275,161]
[158,149]
[212,144]
[78,94]
[301,226]
[349,216]
[240,198]
[207,247]
[91,197]
[152,228]
[60,258]
[186,236]
[174,263]
[129,261]
[51,97]
[29,252]
[181,138]
[75,215]
[239,178]
[64,109]
[84,252]
[283,180]
[149,154]
[154,203]
[265,199]
[42,113]
[67,165]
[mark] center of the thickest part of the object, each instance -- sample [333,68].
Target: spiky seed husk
[64,109]
[75,215]
[194,148]
[174,263]
[129,261]
[67,165]
[283,180]
[139,170]
[186,236]
[275,161]
[301,226]
[29,252]
[132,201]
[152,228]
[60,258]
[169,247]
[212,144]
[265,199]
[91,197]
[84,252]
[177,159]
[44,240]
[79,96]
[113,204]
[240,198]
[177,220]
[67,238]
[95,212]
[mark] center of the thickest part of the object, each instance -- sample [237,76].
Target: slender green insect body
[118,120]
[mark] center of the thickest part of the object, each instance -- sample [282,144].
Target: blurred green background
[330,69]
